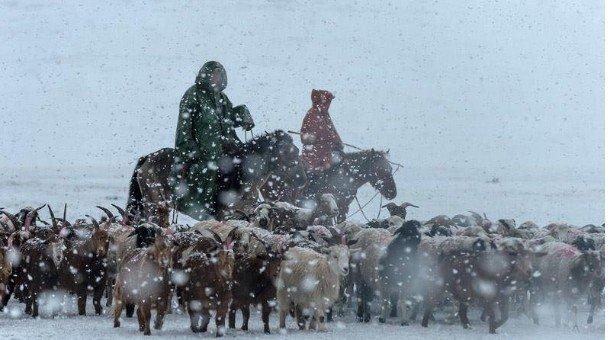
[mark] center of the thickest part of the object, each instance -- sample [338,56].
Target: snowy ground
[14,325]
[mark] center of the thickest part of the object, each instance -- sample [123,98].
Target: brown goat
[84,267]
[6,269]
[144,280]
[40,260]
[482,275]
[254,278]
[210,278]
[14,243]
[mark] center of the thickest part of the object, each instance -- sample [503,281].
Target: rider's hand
[243,117]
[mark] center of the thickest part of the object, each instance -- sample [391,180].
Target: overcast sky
[503,84]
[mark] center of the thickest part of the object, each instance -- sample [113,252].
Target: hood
[204,78]
[321,99]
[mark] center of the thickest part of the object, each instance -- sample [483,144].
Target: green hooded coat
[206,131]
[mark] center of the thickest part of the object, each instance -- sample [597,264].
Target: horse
[342,180]
[151,190]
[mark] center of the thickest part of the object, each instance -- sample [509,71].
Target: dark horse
[342,180]
[241,176]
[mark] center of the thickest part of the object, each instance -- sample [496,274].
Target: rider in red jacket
[322,146]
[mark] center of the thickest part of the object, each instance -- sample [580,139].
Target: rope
[380,205]
[369,201]
[361,208]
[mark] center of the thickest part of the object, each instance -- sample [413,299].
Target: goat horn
[94,221]
[108,213]
[12,218]
[216,236]
[30,216]
[53,220]
[64,216]
[407,204]
[120,210]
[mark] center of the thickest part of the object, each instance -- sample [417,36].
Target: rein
[361,207]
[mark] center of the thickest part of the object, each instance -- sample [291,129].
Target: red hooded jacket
[318,134]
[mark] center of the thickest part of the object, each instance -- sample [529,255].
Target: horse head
[377,171]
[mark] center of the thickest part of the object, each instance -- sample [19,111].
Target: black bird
[399,210]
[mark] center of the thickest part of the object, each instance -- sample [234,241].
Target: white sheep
[371,244]
[309,282]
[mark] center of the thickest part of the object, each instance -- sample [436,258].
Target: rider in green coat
[206,131]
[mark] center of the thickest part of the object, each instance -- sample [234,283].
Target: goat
[369,248]
[309,282]
[209,283]
[144,280]
[398,269]
[471,270]
[254,276]
[566,274]
[38,271]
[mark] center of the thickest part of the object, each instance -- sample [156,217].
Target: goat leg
[35,307]
[329,315]
[118,309]
[161,310]
[300,317]
[232,312]
[266,311]
[593,300]
[503,306]
[221,314]
[109,284]
[98,292]
[82,302]
[146,318]
[245,313]
[140,315]
[463,314]
[129,309]
[283,318]
[491,314]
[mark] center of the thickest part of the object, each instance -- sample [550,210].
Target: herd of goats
[298,262]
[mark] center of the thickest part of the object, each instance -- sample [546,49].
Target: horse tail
[135,207]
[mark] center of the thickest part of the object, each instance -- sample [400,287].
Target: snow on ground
[14,325]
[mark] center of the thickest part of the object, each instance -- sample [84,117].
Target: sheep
[209,267]
[350,229]
[517,280]
[84,267]
[398,270]
[286,217]
[566,274]
[470,269]
[391,223]
[309,283]
[369,248]
[144,280]
[254,275]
